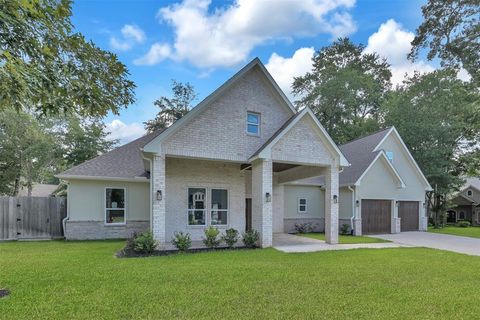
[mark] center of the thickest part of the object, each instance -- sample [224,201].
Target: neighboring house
[224,164]
[39,190]
[383,191]
[466,203]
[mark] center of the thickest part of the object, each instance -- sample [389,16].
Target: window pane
[252,118]
[303,201]
[196,217]
[115,216]
[219,199]
[219,217]
[115,198]
[196,198]
[252,128]
[303,208]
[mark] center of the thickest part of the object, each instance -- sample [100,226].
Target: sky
[205,42]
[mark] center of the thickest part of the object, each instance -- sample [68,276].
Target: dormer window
[389,155]
[253,123]
[469,193]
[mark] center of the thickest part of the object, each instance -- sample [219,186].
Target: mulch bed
[129,253]
[4,292]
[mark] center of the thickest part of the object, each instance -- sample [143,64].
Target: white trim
[151,146]
[259,124]
[382,155]
[124,207]
[101,178]
[265,152]
[412,160]
[304,205]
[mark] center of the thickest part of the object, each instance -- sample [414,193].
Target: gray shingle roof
[123,162]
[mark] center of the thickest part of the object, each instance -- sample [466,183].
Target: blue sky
[205,42]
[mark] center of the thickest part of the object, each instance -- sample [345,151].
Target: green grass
[344,239]
[473,232]
[83,280]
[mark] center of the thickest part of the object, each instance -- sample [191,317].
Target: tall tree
[451,31]
[345,89]
[172,109]
[48,68]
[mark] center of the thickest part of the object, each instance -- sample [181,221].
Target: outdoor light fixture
[335,198]
[397,203]
[159,195]
[424,205]
[268,197]
[357,203]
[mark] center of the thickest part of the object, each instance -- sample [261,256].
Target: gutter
[353,207]
[64,220]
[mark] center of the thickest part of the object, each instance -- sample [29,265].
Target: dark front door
[248,214]
[376,216]
[408,214]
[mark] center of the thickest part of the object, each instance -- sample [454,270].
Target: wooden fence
[31,217]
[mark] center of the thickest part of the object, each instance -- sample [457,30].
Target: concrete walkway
[447,242]
[292,243]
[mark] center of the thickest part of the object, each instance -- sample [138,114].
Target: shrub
[464,224]
[182,241]
[250,238]
[130,243]
[145,243]
[304,227]
[345,229]
[230,237]
[211,239]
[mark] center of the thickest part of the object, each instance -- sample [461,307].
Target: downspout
[64,220]
[151,191]
[353,208]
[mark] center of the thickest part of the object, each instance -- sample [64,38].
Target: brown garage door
[376,216]
[408,214]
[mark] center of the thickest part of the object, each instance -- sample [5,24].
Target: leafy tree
[172,109]
[345,89]
[451,31]
[48,68]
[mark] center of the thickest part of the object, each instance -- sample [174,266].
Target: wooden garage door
[376,216]
[408,214]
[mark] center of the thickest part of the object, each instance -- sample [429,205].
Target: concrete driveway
[447,242]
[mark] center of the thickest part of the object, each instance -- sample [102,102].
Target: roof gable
[381,157]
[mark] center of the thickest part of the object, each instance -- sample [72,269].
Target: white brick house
[224,164]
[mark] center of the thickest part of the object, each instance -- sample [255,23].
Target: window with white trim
[219,210]
[196,206]
[469,193]
[389,155]
[253,123]
[302,205]
[114,205]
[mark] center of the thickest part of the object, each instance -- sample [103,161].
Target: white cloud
[157,53]
[394,43]
[284,69]
[131,35]
[124,132]
[225,36]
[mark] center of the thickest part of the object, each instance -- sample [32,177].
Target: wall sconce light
[335,198]
[424,205]
[357,203]
[159,195]
[397,203]
[268,197]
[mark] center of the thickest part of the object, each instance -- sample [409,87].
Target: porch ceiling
[277,166]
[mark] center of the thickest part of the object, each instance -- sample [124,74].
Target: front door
[248,214]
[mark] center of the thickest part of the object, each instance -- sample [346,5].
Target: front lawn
[473,232]
[72,280]
[344,239]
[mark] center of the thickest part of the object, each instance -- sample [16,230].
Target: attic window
[253,123]
[469,193]
[389,155]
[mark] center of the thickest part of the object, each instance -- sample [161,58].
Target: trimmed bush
[211,239]
[304,227]
[182,241]
[463,224]
[345,229]
[145,243]
[230,237]
[250,238]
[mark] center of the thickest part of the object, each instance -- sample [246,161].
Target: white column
[331,205]
[261,206]
[158,207]
[396,221]
[423,217]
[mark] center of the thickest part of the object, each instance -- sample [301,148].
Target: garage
[376,216]
[408,214]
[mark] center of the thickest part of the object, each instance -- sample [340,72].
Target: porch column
[158,207]
[331,204]
[261,204]
[396,221]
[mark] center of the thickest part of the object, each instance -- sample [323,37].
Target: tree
[345,89]
[48,68]
[172,109]
[451,31]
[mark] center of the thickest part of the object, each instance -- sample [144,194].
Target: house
[466,203]
[224,164]
[244,158]
[383,191]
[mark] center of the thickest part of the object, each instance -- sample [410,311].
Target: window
[219,212]
[461,215]
[196,206]
[469,193]
[114,205]
[253,123]
[389,155]
[302,205]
